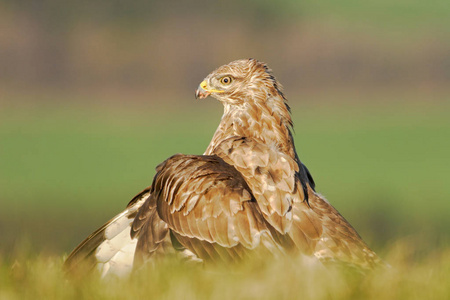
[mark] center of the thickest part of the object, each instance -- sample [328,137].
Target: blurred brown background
[165,47]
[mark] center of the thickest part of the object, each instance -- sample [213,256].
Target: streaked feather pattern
[248,195]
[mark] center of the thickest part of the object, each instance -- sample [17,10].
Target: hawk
[248,195]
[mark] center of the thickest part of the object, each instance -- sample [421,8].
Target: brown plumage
[248,195]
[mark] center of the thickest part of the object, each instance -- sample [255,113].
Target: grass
[41,278]
[67,168]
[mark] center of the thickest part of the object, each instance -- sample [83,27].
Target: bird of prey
[247,195]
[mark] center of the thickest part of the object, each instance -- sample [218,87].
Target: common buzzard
[248,195]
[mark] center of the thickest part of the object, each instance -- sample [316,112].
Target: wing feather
[318,228]
[110,248]
[207,205]
[313,226]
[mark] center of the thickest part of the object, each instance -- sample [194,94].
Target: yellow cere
[203,86]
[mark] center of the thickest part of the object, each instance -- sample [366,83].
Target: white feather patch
[118,225]
[110,247]
[115,255]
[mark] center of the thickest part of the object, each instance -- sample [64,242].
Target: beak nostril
[203,85]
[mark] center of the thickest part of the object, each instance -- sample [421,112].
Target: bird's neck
[268,122]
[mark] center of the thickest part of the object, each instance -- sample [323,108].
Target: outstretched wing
[208,208]
[110,248]
[319,229]
[283,188]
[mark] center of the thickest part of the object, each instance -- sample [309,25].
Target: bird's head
[235,82]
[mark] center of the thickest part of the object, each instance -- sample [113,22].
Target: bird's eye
[226,80]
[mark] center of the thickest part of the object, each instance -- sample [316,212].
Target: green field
[65,168]
[42,278]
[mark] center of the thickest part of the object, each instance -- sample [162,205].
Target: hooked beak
[202,92]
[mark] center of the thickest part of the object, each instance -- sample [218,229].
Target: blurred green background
[94,94]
